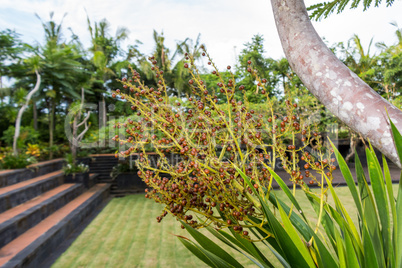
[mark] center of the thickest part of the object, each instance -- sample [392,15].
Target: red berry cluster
[211,141]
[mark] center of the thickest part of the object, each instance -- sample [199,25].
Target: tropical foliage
[335,241]
[224,178]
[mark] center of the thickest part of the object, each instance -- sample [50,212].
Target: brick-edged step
[32,247]
[17,220]
[19,193]
[13,176]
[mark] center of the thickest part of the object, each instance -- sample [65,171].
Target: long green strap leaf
[345,222]
[351,258]
[215,260]
[370,219]
[233,243]
[327,259]
[286,190]
[397,139]
[370,256]
[300,224]
[347,175]
[391,200]
[398,226]
[197,252]
[305,230]
[262,235]
[378,186]
[295,237]
[249,246]
[293,255]
[273,250]
[398,223]
[209,245]
[326,220]
[340,245]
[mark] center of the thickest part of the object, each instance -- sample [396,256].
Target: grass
[126,234]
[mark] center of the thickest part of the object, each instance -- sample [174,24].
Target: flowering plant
[77,168]
[72,167]
[224,178]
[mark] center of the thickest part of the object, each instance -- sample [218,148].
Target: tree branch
[339,89]
[79,138]
[85,120]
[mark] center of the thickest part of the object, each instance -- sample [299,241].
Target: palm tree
[180,74]
[105,50]
[359,61]
[161,53]
[59,70]
[176,76]
[189,47]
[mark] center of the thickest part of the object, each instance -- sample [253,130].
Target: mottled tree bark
[339,89]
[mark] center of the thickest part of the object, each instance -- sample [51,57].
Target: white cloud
[223,24]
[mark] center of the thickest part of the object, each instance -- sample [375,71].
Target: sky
[225,25]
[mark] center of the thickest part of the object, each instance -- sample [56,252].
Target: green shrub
[27,135]
[9,161]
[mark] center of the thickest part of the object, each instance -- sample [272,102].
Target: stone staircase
[102,164]
[38,211]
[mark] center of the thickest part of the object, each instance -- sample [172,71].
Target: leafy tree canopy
[323,10]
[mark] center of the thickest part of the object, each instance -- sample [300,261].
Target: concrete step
[16,194]
[13,176]
[17,220]
[31,248]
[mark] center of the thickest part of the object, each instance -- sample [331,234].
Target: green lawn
[126,234]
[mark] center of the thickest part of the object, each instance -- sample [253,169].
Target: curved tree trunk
[339,89]
[22,110]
